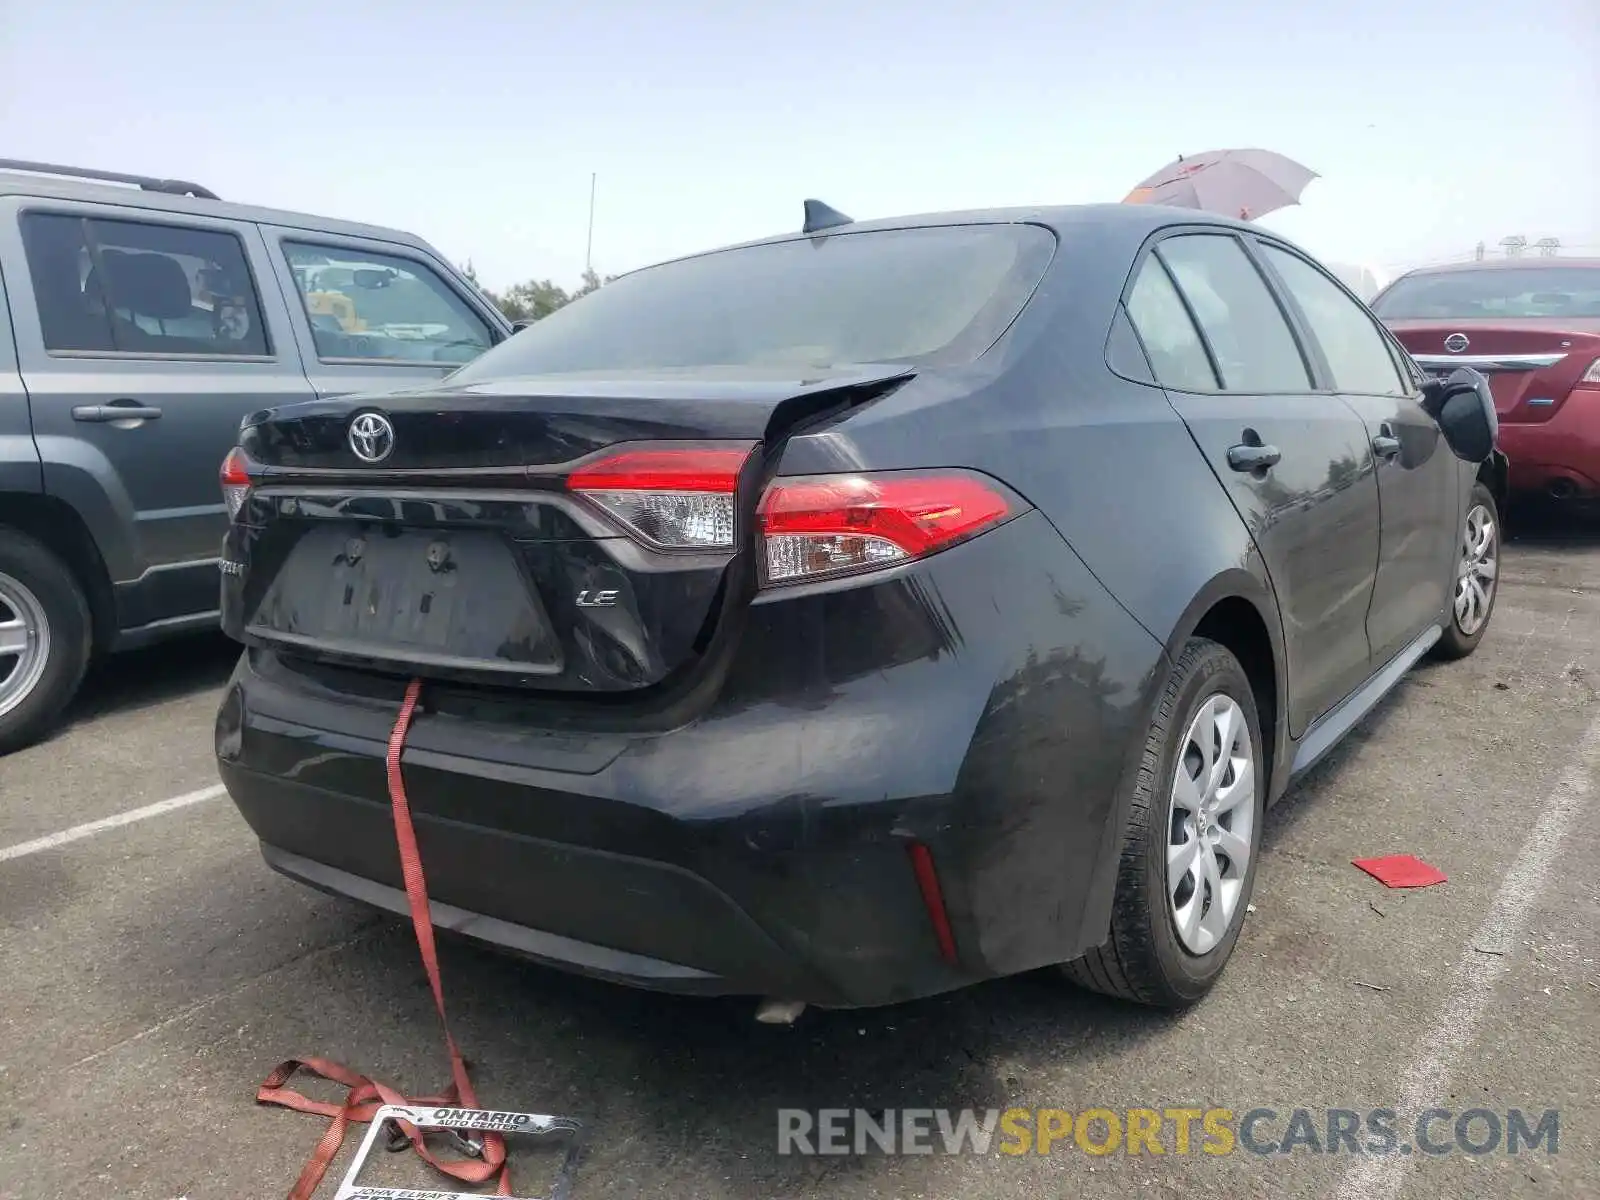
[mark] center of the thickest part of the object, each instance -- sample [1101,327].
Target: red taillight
[696,469]
[235,480]
[1591,377]
[677,498]
[839,524]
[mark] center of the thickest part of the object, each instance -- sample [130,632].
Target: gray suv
[146,317]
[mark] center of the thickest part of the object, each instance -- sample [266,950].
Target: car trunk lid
[1532,364]
[568,534]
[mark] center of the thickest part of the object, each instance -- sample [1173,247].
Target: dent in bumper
[985,703]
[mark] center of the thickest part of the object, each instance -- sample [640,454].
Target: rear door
[19,459]
[144,337]
[1419,478]
[377,316]
[1294,461]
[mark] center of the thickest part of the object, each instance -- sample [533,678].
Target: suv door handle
[1245,457]
[117,410]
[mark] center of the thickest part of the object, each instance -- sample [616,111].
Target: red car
[1532,325]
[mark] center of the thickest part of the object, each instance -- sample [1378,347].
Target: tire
[38,591]
[1146,959]
[1461,635]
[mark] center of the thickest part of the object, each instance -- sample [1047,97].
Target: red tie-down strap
[365,1096]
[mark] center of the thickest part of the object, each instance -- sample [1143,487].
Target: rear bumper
[762,847]
[1559,456]
[551,949]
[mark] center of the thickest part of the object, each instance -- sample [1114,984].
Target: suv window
[1176,352]
[1357,354]
[134,288]
[377,306]
[1254,347]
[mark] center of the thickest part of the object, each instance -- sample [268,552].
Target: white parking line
[51,840]
[1377,1177]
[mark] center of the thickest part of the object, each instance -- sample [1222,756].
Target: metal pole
[588,253]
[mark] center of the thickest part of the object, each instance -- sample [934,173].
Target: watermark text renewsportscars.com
[1166,1131]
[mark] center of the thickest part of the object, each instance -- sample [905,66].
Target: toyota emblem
[371,437]
[1456,343]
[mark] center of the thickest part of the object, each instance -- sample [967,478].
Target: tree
[535,298]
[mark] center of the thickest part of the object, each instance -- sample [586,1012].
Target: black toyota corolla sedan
[860,613]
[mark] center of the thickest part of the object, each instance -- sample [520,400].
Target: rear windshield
[940,294]
[1496,292]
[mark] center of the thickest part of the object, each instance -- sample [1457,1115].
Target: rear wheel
[1193,834]
[44,639]
[1477,580]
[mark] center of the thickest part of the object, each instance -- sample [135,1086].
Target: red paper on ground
[1400,871]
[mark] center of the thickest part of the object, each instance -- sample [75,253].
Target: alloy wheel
[24,642]
[1211,824]
[1478,571]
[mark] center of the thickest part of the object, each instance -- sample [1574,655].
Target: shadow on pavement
[697,1083]
[154,675]
[1533,524]
[1541,523]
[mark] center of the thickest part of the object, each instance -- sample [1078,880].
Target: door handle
[1386,445]
[1245,457]
[117,410]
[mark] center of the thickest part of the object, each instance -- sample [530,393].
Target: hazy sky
[476,124]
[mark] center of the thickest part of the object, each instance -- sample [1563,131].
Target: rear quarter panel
[1113,469]
[1107,460]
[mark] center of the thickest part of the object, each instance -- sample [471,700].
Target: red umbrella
[1233,183]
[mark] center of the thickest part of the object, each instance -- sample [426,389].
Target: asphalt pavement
[152,972]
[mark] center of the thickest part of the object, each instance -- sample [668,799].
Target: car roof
[1133,221]
[1538,262]
[49,187]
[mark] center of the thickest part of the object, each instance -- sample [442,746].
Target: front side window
[1254,347]
[940,294]
[1357,354]
[381,307]
[128,287]
[1410,370]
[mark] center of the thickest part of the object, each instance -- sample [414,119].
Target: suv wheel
[44,639]
[1477,581]
[1193,836]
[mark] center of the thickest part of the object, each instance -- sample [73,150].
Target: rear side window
[378,306]
[1170,339]
[1357,354]
[940,294]
[1124,355]
[127,287]
[1247,332]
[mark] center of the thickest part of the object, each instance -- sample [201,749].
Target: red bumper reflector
[933,899]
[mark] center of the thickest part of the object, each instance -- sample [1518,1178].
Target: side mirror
[1463,407]
[518,326]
